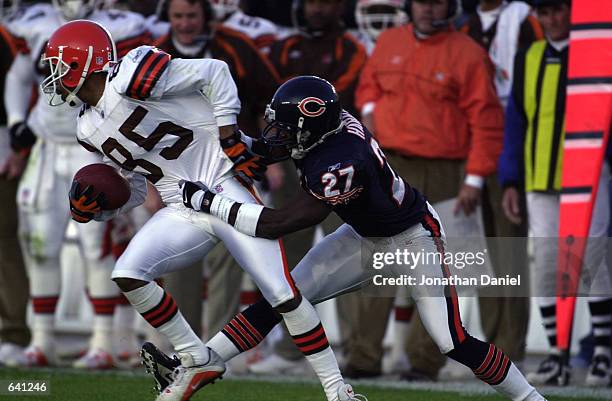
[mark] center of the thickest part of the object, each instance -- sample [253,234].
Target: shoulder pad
[253,27]
[31,23]
[156,27]
[121,24]
[139,71]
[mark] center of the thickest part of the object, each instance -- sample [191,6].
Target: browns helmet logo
[312,106]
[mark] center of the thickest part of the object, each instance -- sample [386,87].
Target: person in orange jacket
[427,94]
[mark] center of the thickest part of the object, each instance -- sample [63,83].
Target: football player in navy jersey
[343,170]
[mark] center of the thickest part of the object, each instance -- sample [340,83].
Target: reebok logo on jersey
[333,168]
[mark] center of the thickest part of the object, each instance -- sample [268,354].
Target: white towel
[505,44]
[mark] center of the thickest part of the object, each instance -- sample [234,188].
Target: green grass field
[74,386]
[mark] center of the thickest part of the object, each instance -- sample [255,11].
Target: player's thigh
[43,204]
[438,305]
[334,266]
[262,259]
[169,241]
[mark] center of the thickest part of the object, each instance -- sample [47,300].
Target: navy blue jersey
[349,172]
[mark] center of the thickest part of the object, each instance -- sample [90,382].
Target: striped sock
[160,310]
[104,308]
[549,321]
[43,321]
[601,320]
[245,330]
[494,368]
[242,334]
[308,334]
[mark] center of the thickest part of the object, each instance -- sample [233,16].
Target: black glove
[246,161]
[21,137]
[84,204]
[196,196]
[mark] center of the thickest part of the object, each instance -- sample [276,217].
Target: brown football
[106,180]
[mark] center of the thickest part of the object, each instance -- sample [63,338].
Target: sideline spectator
[427,94]
[532,158]
[502,28]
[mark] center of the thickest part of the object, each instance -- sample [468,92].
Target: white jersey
[32,27]
[364,39]
[262,31]
[157,27]
[159,117]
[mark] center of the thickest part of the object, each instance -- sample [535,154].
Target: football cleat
[31,357]
[7,350]
[94,359]
[346,393]
[158,364]
[187,378]
[599,371]
[551,372]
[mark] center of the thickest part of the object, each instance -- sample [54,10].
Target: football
[105,179]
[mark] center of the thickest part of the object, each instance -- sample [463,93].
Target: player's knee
[129,284]
[39,248]
[289,305]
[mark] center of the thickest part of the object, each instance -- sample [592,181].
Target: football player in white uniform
[52,163]
[172,121]
[262,31]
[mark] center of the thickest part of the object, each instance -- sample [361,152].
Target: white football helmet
[75,9]
[374,16]
[223,8]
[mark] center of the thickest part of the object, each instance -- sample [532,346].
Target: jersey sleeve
[147,73]
[138,74]
[339,184]
[210,77]
[31,25]
[18,89]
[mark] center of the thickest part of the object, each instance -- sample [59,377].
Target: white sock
[308,334]
[125,334]
[516,387]
[223,346]
[101,337]
[159,309]
[42,332]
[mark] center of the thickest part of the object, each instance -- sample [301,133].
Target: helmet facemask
[59,70]
[293,138]
[374,17]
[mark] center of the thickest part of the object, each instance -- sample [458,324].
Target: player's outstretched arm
[256,220]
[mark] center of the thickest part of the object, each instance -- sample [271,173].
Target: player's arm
[212,78]
[17,93]
[256,220]
[215,82]
[138,194]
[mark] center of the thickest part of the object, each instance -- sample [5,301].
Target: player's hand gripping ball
[95,188]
